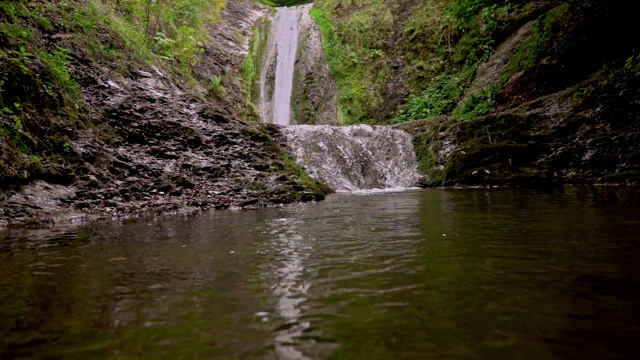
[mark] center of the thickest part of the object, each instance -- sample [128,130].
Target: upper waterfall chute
[282,48]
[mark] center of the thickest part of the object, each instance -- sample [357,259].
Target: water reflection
[285,273]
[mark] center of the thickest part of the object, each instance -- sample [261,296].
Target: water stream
[276,74]
[287,45]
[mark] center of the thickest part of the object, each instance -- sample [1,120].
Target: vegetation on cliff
[403,60]
[501,71]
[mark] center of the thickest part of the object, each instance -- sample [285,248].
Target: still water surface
[432,274]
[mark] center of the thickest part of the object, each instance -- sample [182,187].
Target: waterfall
[347,158]
[275,104]
[355,157]
[287,45]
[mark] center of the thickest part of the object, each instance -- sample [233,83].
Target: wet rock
[315,93]
[551,141]
[354,157]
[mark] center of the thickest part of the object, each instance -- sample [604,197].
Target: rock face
[554,140]
[564,118]
[158,147]
[225,54]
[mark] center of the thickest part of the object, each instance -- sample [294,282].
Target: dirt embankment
[168,149]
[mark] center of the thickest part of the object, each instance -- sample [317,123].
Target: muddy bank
[157,146]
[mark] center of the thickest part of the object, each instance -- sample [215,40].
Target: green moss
[253,64]
[425,140]
[538,44]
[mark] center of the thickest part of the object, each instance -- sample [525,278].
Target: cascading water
[347,158]
[355,157]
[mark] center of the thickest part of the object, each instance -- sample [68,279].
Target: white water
[286,47]
[355,157]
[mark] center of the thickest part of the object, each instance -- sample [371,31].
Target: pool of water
[428,274]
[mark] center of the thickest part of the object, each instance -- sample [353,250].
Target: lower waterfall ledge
[359,157]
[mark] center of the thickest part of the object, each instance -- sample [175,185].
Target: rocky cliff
[315,94]
[92,128]
[495,92]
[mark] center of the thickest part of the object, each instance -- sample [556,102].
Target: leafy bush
[171,29]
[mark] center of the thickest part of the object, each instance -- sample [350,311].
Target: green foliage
[292,167]
[173,29]
[57,63]
[439,98]
[16,34]
[14,130]
[267,2]
[215,86]
[21,59]
[13,10]
[253,64]
[441,42]
[475,105]
[633,63]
